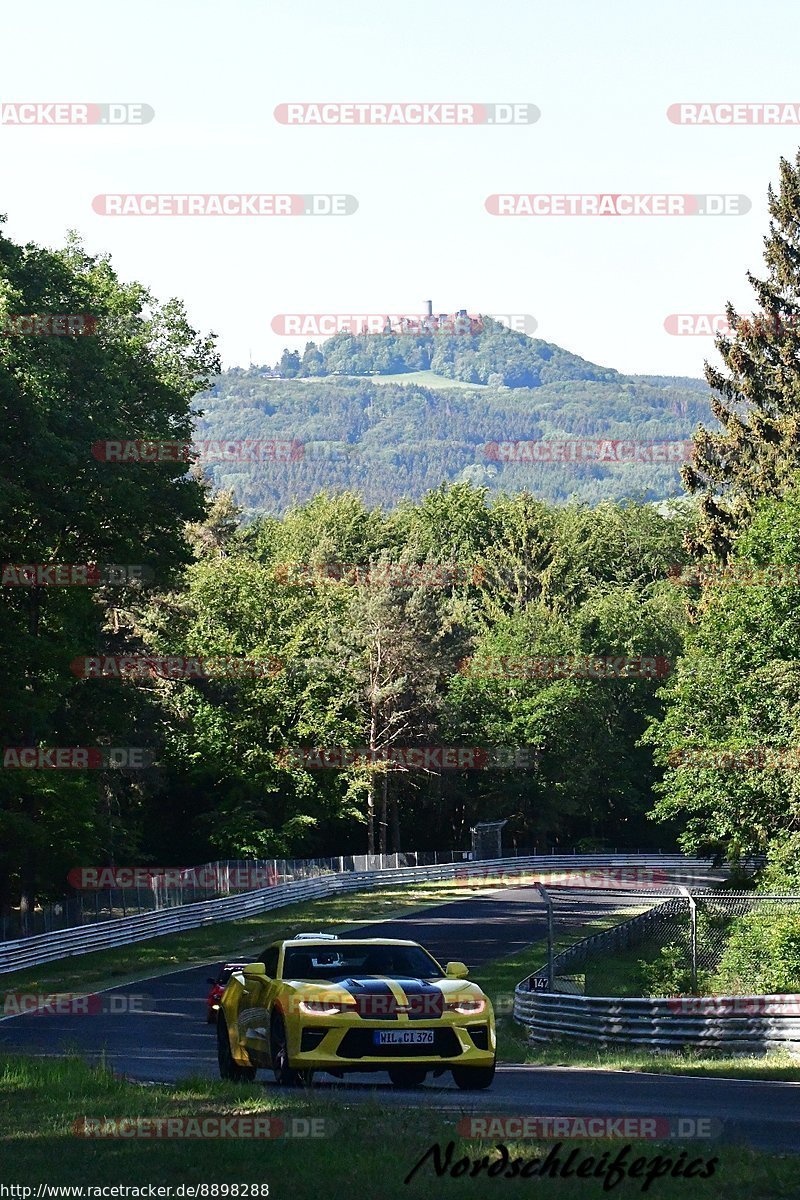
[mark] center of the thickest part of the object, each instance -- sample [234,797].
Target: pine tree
[757,399]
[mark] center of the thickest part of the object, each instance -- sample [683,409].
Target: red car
[217,988]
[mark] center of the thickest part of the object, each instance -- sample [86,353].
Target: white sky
[603,75]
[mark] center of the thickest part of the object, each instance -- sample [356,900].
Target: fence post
[550,932]
[693,939]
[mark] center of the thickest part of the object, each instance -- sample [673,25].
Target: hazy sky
[602,74]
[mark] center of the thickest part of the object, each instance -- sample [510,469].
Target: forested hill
[492,354]
[392,417]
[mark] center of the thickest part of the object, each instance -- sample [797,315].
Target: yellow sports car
[320,1003]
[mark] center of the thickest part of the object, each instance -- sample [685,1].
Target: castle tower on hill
[458,322]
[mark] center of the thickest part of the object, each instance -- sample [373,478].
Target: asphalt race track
[166,1038]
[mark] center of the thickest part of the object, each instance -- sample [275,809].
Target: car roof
[346,941]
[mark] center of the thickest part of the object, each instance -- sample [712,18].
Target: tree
[289,365]
[757,400]
[132,378]
[732,717]
[402,648]
[313,361]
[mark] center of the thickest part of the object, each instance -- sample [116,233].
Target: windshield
[345,959]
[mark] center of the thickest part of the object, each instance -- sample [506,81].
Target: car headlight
[322,1008]
[467,1007]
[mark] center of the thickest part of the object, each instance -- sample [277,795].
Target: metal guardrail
[739,1024]
[107,893]
[67,943]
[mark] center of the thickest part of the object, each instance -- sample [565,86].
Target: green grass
[499,978]
[616,973]
[772,1066]
[426,379]
[231,939]
[606,977]
[367,1151]
[234,939]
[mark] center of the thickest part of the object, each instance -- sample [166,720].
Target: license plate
[403,1037]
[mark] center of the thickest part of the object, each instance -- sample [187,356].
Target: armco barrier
[66,943]
[738,1024]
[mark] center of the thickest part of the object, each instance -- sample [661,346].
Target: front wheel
[284,1073]
[473,1078]
[407,1076]
[228,1066]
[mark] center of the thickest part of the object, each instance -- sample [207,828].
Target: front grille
[376,1006]
[377,1003]
[358,1043]
[479,1035]
[311,1038]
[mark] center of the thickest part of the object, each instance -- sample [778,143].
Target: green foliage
[737,687]
[391,442]
[762,955]
[495,355]
[376,664]
[755,451]
[668,974]
[134,378]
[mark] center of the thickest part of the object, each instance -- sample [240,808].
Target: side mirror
[256,968]
[456,970]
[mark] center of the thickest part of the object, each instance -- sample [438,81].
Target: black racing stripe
[426,1001]
[375,999]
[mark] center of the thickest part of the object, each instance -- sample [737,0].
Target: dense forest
[391,440]
[344,688]
[482,351]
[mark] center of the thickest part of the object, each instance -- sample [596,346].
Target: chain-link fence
[693,942]
[149,889]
